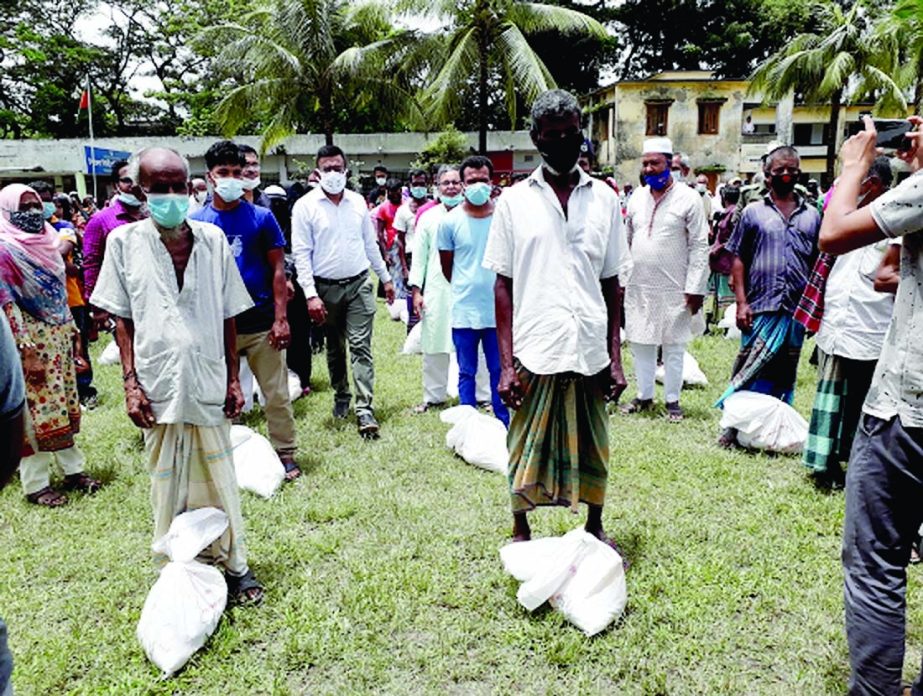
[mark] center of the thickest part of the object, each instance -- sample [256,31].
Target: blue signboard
[99,160]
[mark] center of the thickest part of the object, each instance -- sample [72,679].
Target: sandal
[81,482]
[47,497]
[291,469]
[674,412]
[244,589]
[637,406]
[426,406]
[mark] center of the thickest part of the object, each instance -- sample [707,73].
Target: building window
[657,113]
[709,114]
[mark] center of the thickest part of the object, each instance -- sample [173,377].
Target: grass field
[383,576]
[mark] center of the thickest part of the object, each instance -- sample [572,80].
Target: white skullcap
[274,190]
[658,145]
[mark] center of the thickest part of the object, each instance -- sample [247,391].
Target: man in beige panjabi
[175,289]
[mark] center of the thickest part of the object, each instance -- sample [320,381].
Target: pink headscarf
[41,248]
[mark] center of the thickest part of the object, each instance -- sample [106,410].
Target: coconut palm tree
[902,32]
[304,61]
[485,38]
[844,57]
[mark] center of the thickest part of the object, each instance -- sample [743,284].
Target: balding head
[157,169]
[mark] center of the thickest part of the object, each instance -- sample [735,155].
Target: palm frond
[533,17]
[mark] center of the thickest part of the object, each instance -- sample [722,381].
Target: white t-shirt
[404,221]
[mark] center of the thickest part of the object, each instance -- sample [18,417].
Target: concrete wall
[721,149]
[64,160]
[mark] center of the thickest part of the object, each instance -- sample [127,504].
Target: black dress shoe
[368,426]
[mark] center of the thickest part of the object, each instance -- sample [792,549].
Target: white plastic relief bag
[764,422]
[729,322]
[185,605]
[413,344]
[579,575]
[477,438]
[256,465]
[692,373]
[110,354]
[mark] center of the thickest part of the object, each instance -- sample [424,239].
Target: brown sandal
[48,497]
[81,482]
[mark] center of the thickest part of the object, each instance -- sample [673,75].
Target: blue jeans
[466,349]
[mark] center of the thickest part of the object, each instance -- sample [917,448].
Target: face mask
[200,196]
[418,192]
[676,174]
[452,201]
[701,188]
[229,189]
[48,209]
[333,182]
[250,184]
[168,209]
[658,182]
[783,185]
[477,194]
[31,221]
[380,180]
[130,199]
[560,155]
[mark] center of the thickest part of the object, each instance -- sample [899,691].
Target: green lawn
[383,575]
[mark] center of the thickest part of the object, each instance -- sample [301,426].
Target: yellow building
[723,129]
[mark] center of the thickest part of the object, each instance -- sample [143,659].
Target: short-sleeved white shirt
[560,320]
[897,388]
[179,334]
[405,221]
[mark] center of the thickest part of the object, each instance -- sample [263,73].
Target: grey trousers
[884,509]
[350,316]
[6,664]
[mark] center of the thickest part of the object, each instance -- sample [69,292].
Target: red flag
[85,100]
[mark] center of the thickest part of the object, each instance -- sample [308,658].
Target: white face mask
[200,196]
[381,180]
[701,188]
[229,189]
[333,182]
[250,184]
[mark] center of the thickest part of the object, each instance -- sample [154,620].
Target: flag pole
[92,140]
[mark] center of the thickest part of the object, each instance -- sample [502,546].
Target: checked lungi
[192,467]
[841,390]
[768,358]
[559,441]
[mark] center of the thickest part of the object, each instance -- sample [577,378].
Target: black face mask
[30,221]
[783,185]
[561,154]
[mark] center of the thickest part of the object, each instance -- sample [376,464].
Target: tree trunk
[326,117]
[833,133]
[482,92]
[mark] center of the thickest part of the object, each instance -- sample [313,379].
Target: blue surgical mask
[168,209]
[229,189]
[48,209]
[478,194]
[452,201]
[658,182]
[418,192]
[129,199]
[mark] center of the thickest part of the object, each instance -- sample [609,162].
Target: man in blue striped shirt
[775,246]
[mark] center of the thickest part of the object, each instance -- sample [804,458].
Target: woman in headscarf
[34,298]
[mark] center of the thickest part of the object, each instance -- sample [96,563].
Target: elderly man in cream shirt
[668,238]
[173,285]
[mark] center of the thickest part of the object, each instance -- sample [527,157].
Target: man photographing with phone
[884,481]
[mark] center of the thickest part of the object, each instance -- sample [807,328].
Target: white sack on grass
[729,322]
[294,386]
[692,373]
[413,344]
[256,465]
[577,574]
[185,605]
[394,309]
[110,354]
[764,422]
[247,383]
[477,438]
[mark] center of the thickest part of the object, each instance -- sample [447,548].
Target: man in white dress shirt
[555,243]
[334,242]
[668,237]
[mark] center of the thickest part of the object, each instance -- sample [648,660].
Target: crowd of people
[528,285]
